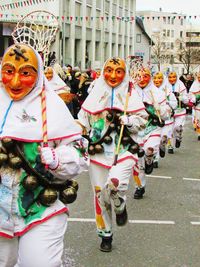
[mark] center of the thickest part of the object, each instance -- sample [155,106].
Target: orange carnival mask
[48,73]
[172,77]
[19,71]
[114,72]
[198,77]
[158,79]
[144,78]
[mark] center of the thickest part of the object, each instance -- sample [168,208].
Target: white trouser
[178,121]
[104,183]
[41,246]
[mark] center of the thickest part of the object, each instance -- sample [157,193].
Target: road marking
[195,223]
[191,179]
[156,176]
[130,221]
[81,220]
[151,221]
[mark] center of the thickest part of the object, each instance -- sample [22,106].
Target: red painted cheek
[6,79]
[28,81]
[107,76]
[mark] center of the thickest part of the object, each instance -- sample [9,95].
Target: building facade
[89,32]
[166,28]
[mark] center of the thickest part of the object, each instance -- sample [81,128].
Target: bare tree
[160,53]
[187,54]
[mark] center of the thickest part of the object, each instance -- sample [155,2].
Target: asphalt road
[164,226]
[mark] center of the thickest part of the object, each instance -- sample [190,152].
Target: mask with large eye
[172,77]
[114,72]
[158,79]
[19,71]
[144,78]
[48,73]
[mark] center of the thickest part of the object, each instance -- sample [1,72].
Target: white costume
[181,94]
[26,225]
[110,182]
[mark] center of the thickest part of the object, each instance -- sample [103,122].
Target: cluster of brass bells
[49,195]
[7,156]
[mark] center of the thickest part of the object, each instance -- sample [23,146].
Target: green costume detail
[197,98]
[97,129]
[29,208]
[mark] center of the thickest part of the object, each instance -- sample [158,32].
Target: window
[181,33]
[172,33]
[138,38]
[168,33]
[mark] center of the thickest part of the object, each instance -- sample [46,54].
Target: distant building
[168,27]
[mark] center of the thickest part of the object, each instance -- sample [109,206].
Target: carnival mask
[144,78]
[158,79]
[19,71]
[172,77]
[48,73]
[114,72]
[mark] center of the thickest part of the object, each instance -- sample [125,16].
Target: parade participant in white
[178,88]
[102,114]
[159,111]
[33,222]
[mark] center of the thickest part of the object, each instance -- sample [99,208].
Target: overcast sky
[187,7]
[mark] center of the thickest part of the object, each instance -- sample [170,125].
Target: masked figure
[194,96]
[35,178]
[166,133]
[179,90]
[159,111]
[102,115]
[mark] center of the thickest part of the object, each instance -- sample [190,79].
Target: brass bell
[109,117]
[91,150]
[7,142]
[30,182]
[68,195]
[14,161]
[134,149]
[126,140]
[140,152]
[74,184]
[107,139]
[99,148]
[48,196]
[112,126]
[3,158]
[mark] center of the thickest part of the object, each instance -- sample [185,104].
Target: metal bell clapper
[74,184]
[91,150]
[7,143]
[30,182]
[48,196]
[68,195]
[107,139]
[14,161]
[3,158]
[99,148]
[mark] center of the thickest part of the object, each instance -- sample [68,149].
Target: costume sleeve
[73,159]
[165,111]
[172,101]
[83,119]
[138,121]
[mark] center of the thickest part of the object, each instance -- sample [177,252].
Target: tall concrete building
[167,28]
[89,32]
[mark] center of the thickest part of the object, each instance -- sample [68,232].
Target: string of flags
[102,18]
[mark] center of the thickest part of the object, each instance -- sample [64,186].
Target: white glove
[49,157]
[126,120]
[192,98]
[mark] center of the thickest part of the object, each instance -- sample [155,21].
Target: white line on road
[130,221]
[151,221]
[191,179]
[156,176]
[195,223]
